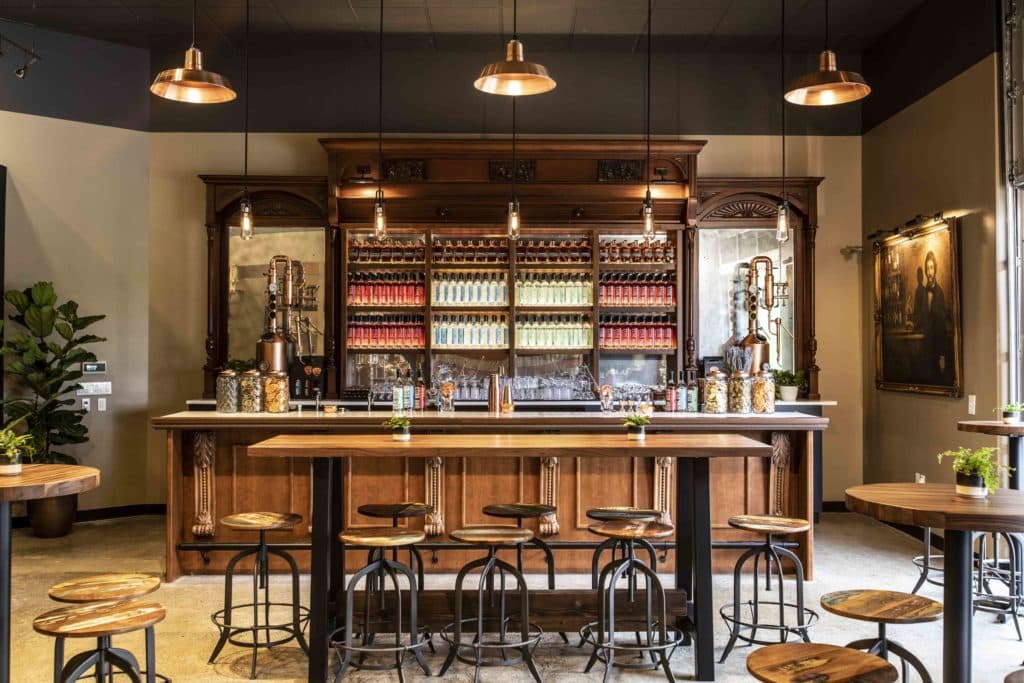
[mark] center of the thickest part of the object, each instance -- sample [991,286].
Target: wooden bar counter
[209,476]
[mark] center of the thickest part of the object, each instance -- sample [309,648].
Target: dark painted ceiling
[448,24]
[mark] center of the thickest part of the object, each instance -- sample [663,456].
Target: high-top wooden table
[1013,433]
[693,503]
[34,482]
[939,507]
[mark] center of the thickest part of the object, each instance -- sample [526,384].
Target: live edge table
[34,482]
[693,504]
[939,507]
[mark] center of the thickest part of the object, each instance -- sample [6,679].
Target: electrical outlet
[919,478]
[86,404]
[101,405]
[972,404]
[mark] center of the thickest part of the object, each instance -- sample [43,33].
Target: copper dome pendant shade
[828,85]
[192,83]
[515,76]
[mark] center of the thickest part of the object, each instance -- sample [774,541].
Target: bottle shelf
[386,308]
[611,308]
[482,266]
[650,351]
[529,308]
[483,308]
[385,349]
[473,349]
[385,265]
[638,267]
[533,265]
[543,351]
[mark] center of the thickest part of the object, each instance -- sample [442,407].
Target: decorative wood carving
[500,171]
[405,170]
[549,484]
[620,170]
[663,490]
[745,208]
[434,523]
[204,460]
[778,485]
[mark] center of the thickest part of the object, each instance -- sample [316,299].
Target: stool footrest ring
[286,627]
[512,629]
[810,619]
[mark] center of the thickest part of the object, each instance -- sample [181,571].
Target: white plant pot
[8,469]
[401,435]
[788,393]
[1011,418]
[636,434]
[969,486]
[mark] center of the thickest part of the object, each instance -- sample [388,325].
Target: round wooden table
[1013,434]
[34,482]
[939,507]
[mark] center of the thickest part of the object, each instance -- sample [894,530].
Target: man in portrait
[930,319]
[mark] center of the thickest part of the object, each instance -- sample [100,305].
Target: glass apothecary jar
[739,392]
[227,391]
[275,392]
[715,392]
[250,392]
[763,392]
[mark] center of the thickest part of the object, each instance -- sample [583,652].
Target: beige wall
[939,154]
[77,214]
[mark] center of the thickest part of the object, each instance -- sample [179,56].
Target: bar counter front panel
[210,476]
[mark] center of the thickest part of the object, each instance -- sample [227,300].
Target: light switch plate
[86,404]
[95,389]
[101,405]
[972,404]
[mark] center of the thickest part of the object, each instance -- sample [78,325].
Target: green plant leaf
[64,330]
[17,299]
[40,320]
[43,294]
[68,309]
[85,321]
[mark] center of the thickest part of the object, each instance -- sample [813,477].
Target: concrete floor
[852,552]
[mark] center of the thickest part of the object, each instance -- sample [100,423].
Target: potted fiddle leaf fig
[1012,413]
[44,363]
[636,426]
[977,471]
[14,450]
[788,384]
[399,427]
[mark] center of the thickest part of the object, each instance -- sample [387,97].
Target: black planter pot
[635,432]
[971,485]
[52,517]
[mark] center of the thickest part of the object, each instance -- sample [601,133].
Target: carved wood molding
[778,483]
[434,496]
[405,170]
[663,468]
[550,471]
[620,170]
[744,208]
[500,170]
[203,460]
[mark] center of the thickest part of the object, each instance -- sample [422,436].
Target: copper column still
[276,346]
[758,343]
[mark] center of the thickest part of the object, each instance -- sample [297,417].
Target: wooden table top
[48,481]
[503,445]
[796,662]
[993,427]
[938,506]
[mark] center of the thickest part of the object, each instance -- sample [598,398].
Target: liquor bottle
[671,397]
[408,391]
[682,400]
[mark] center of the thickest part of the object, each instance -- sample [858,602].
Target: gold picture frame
[918,332]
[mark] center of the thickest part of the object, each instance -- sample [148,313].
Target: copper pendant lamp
[192,83]
[515,76]
[828,85]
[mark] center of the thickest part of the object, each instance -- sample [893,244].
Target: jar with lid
[227,391]
[739,392]
[275,392]
[250,391]
[763,392]
[715,392]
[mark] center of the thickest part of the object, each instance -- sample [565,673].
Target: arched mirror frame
[729,203]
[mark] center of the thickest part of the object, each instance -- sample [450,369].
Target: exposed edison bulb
[247,231]
[380,217]
[513,219]
[648,214]
[782,223]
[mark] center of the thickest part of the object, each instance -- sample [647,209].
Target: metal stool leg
[737,575]
[229,575]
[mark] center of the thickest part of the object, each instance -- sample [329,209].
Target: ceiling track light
[515,76]
[192,83]
[828,85]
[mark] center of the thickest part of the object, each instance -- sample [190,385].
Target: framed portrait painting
[917,310]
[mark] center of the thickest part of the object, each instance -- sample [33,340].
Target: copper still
[755,341]
[275,349]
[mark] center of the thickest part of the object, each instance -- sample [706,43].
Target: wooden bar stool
[102,621]
[106,588]
[614,514]
[230,632]
[654,637]
[395,512]
[801,662]
[770,526]
[885,607]
[492,538]
[380,538]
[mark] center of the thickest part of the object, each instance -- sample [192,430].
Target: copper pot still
[758,343]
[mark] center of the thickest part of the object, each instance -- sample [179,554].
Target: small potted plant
[14,449]
[788,384]
[399,427]
[1012,413]
[977,472]
[636,426]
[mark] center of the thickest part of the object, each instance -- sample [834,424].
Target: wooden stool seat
[99,619]
[610,514]
[1014,677]
[793,662]
[492,535]
[104,587]
[382,536]
[769,524]
[395,510]
[627,529]
[519,510]
[880,606]
[262,521]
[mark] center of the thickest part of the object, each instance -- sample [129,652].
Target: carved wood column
[434,524]
[203,460]
[663,490]
[686,274]
[549,483]
[778,482]
[812,341]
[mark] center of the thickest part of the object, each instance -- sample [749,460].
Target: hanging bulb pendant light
[248,229]
[647,212]
[380,216]
[828,85]
[782,213]
[192,83]
[515,76]
[514,223]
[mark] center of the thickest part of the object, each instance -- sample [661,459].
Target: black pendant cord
[647,126]
[515,170]
[826,25]
[515,19]
[782,86]
[195,20]
[380,104]
[245,84]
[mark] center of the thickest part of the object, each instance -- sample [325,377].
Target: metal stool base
[481,644]
[738,626]
[650,648]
